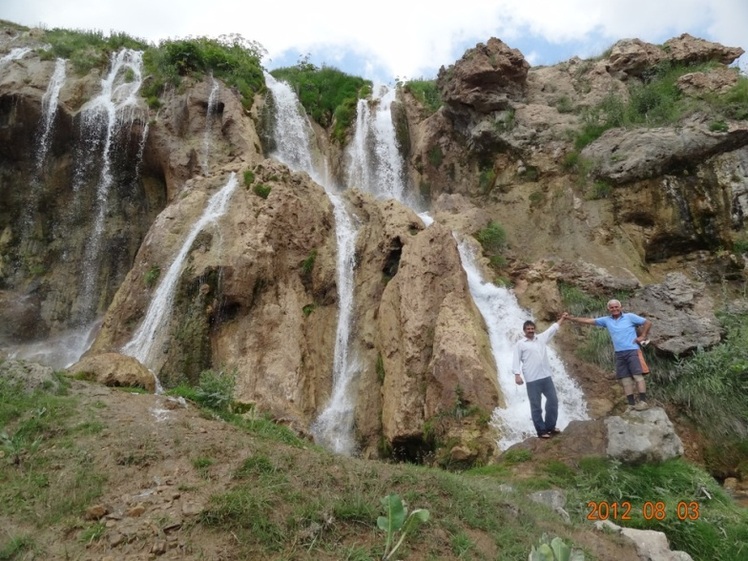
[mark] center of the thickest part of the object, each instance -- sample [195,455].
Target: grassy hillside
[88,472]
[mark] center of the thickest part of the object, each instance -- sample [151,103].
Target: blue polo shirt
[622,330]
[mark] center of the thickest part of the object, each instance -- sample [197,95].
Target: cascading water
[143,344]
[504,317]
[15,54]
[49,111]
[113,109]
[333,429]
[498,306]
[374,161]
[210,110]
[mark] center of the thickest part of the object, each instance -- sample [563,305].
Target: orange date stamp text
[650,510]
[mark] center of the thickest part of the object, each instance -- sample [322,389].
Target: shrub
[88,49]
[307,266]
[261,190]
[215,389]
[426,92]
[249,178]
[231,58]
[435,156]
[328,95]
[152,275]
[492,238]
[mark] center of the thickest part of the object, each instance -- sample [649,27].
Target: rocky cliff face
[258,296]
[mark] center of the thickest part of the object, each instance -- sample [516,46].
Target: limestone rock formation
[114,369]
[642,436]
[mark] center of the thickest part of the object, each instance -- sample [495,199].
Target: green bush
[88,49]
[307,266]
[327,94]
[249,178]
[261,190]
[492,238]
[215,389]
[152,275]
[709,386]
[426,92]
[654,101]
[435,156]
[231,58]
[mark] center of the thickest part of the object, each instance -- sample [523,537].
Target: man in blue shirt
[531,359]
[627,343]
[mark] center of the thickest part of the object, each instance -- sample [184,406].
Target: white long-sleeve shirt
[531,355]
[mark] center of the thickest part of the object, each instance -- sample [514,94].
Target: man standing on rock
[531,359]
[627,343]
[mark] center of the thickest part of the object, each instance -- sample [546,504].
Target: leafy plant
[398,520]
[307,266]
[555,550]
[327,94]
[308,309]
[261,190]
[486,180]
[492,238]
[435,156]
[426,92]
[152,275]
[231,58]
[215,389]
[249,177]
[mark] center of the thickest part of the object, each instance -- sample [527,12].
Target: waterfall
[374,161]
[293,134]
[504,317]
[498,306]
[208,124]
[102,118]
[15,54]
[49,111]
[142,345]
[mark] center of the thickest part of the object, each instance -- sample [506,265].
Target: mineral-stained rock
[114,369]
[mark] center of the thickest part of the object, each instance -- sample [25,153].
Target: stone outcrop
[633,437]
[634,57]
[651,545]
[642,436]
[682,312]
[622,156]
[116,370]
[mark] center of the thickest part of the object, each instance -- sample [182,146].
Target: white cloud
[403,38]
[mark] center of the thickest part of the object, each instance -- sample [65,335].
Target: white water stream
[15,54]
[498,306]
[209,111]
[114,108]
[49,111]
[504,318]
[374,161]
[144,344]
[293,135]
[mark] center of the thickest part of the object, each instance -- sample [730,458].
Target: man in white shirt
[531,359]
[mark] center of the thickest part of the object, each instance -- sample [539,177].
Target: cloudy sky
[391,39]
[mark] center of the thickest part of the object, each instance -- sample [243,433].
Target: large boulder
[486,78]
[634,57]
[114,369]
[642,436]
[682,314]
[623,155]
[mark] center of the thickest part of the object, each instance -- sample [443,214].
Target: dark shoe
[544,435]
[554,432]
